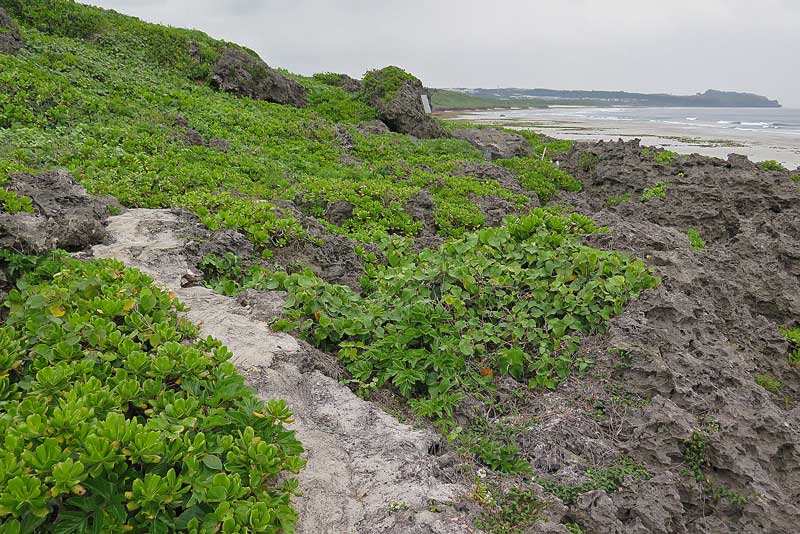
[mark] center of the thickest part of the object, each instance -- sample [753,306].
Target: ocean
[760,133]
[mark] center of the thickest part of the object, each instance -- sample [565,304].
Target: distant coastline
[505,98]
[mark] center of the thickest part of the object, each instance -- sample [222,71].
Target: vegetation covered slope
[125,106]
[444,100]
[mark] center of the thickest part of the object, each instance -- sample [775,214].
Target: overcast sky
[676,46]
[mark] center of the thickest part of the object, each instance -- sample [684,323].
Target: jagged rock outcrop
[683,359]
[396,95]
[10,38]
[242,74]
[64,215]
[494,143]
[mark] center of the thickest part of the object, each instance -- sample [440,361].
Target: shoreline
[758,144]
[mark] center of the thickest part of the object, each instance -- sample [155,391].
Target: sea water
[760,133]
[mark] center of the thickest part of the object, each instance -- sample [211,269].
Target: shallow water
[760,133]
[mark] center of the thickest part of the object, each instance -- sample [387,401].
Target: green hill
[116,417]
[444,100]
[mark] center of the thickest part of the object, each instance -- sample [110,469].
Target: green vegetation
[694,454]
[606,478]
[665,156]
[657,191]
[588,162]
[384,83]
[695,240]
[108,117]
[616,200]
[543,145]
[793,336]
[115,418]
[510,299]
[493,443]
[541,176]
[796,178]
[443,100]
[10,202]
[769,382]
[513,511]
[771,165]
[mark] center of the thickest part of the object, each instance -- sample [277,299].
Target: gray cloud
[679,46]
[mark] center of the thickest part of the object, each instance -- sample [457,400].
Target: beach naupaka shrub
[114,418]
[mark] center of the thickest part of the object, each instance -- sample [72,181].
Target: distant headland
[463,98]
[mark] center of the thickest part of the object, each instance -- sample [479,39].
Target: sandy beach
[761,134]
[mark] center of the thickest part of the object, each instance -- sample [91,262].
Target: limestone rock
[495,144]
[242,74]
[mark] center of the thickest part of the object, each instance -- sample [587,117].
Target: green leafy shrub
[512,511]
[107,113]
[657,191]
[539,142]
[695,239]
[769,382]
[151,43]
[541,176]
[588,161]
[226,275]
[384,83]
[616,200]
[665,156]
[114,419]
[793,336]
[694,454]
[771,165]
[512,299]
[10,202]
[606,478]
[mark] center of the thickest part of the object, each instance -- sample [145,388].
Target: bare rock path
[362,463]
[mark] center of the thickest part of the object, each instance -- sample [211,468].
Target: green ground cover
[92,355]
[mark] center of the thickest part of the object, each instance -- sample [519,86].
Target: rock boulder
[65,215]
[10,39]
[495,144]
[396,95]
[242,74]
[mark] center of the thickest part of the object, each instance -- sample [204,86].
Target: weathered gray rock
[694,345]
[242,74]
[495,144]
[10,38]
[64,214]
[375,127]
[397,98]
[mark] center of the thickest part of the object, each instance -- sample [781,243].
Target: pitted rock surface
[243,74]
[64,215]
[692,347]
